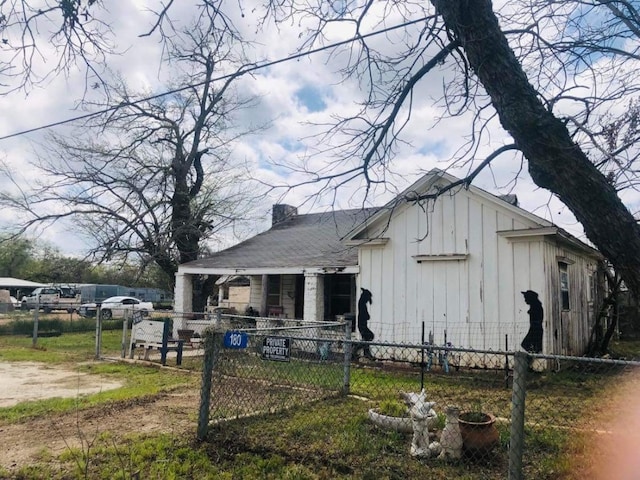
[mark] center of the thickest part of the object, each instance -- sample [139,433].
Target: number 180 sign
[235,339]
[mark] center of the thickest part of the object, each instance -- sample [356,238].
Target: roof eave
[201,270]
[557,232]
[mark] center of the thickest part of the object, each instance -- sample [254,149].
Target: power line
[239,73]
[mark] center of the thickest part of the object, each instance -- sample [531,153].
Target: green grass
[335,440]
[629,350]
[67,348]
[294,372]
[22,323]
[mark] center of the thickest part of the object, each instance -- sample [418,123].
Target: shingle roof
[310,240]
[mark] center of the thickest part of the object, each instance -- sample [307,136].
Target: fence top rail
[291,327]
[430,348]
[443,348]
[605,361]
[300,322]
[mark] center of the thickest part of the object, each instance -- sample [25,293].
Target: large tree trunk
[556,163]
[183,232]
[202,289]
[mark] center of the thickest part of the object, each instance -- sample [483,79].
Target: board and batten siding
[449,268]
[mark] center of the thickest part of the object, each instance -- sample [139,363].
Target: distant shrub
[51,326]
[25,327]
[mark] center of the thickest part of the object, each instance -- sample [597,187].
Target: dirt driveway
[21,443]
[22,381]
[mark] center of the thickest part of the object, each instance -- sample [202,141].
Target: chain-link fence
[575,415]
[526,416]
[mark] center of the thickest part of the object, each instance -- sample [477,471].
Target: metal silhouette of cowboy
[532,342]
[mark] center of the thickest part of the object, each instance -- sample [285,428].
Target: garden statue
[443,354]
[324,349]
[422,417]
[444,357]
[451,439]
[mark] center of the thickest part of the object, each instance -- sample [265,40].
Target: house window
[273,290]
[564,286]
[339,294]
[593,286]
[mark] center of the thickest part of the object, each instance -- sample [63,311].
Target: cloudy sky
[294,97]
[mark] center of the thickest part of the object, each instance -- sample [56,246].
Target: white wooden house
[457,264]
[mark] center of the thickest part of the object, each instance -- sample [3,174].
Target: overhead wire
[241,72]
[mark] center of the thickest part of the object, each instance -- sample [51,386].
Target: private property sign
[276,348]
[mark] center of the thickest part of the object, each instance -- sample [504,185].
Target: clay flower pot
[479,433]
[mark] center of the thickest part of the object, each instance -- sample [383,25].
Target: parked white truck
[52,298]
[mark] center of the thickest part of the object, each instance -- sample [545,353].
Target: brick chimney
[282,212]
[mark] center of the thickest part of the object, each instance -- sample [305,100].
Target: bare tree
[152,178]
[39,39]
[558,75]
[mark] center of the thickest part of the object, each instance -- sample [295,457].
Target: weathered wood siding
[567,331]
[468,280]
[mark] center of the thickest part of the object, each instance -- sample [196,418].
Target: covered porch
[313,294]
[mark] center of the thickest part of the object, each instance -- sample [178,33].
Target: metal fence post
[347,358]
[125,322]
[98,332]
[518,396]
[212,343]
[36,312]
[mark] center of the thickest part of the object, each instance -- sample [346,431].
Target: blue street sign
[234,339]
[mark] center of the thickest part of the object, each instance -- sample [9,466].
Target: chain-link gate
[269,368]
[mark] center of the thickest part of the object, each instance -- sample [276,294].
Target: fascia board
[266,270]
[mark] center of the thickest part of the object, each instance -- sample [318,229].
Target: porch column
[183,298]
[221,289]
[313,297]
[263,296]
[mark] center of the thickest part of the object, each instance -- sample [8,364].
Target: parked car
[116,307]
[52,298]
